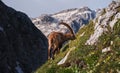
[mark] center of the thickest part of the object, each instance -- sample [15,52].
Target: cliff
[23,48]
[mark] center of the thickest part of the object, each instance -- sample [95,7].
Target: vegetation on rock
[87,58]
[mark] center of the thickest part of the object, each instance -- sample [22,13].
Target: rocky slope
[104,21]
[74,17]
[23,48]
[96,49]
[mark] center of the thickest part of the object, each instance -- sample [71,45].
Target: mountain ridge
[75,17]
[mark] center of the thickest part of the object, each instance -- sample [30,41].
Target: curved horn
[65,24]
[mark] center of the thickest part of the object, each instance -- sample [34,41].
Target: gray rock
[23,48]
[104,18]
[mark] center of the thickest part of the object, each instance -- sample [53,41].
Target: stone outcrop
[105,18]
[23,48]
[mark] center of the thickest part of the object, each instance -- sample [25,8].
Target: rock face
[74,17]
[23,48]
[104,21]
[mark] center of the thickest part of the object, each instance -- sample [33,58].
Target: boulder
[23,48]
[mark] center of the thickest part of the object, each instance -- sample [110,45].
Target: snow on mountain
[75,17]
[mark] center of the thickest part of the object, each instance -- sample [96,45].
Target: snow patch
[85,12]
[74,17]
[63,15]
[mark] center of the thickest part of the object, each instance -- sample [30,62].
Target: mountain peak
[76,17]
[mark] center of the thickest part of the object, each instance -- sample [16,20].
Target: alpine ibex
[56,40]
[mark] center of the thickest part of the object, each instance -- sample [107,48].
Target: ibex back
[56,39]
